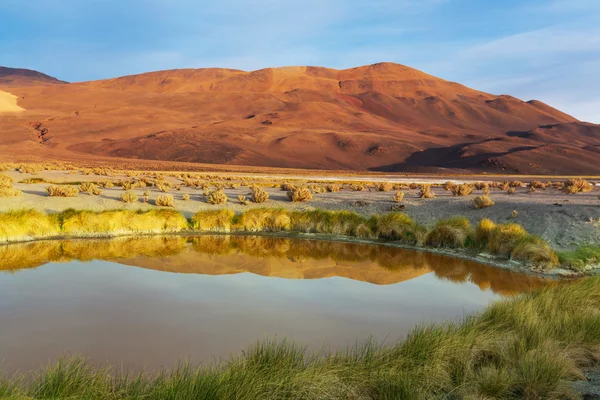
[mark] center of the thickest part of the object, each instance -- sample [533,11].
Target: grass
[217,197]
[62,191]
[508,241]
[482,202]
[6,187]
[426,192]
[258,194]
[528,347]
[165,200]
[577,185]
[462,189]
[578,259]
[398,197]
[299,194]
[129,197]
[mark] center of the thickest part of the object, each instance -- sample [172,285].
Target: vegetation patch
[62,191]
[580,258]
[453,233]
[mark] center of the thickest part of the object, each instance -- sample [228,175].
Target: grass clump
[483,231]
[62,191]
[185,196]
[17,225]
[299,194]
[482,202]
[213,220]
[426,193]
[504,238]
[264,219]
[216,197]
[453,232]
[111,223]
[398,226]
[6,187]
[332,188]
[536,252]
[398,197]
[165,200]
[129,197]
[384,186]
[577,185]
[463,189]
[258,194]
[90,188]
[580,258]
[528,347]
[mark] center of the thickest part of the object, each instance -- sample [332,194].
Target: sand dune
[8,103]
[385,117]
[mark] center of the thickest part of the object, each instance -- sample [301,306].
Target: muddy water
[148,302]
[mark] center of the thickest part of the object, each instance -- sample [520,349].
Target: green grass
[529,347]
[580,258]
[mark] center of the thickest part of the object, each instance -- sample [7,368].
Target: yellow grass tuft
[462,190]
[537,252]
[213,220]
[264,219]
[332,188]
[398,197]
[577,185]
[504,238]
[452,232]
[482,202]
[258,194]
[90,188]
[129,197]
[165,200]
[426,192]
[217,197]
[483,231]
[398,226]
[299,194]
[112,223]
[384,186]
[27,224]
[62,191]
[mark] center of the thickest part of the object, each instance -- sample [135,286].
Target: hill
[385,117]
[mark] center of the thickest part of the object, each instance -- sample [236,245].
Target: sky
[532,49]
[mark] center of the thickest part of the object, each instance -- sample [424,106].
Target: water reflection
[290,258]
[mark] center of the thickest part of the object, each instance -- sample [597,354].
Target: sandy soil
[566,221]
[8,103]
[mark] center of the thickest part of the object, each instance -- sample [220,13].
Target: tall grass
[27,224]
[528,347]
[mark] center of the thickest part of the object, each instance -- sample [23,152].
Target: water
[151,302]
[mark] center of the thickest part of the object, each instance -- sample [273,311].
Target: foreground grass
[528,347]
[508,241]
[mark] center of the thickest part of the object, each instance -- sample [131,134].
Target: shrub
[398,197]
[511,190]
[535,251]
[462,190]
[398,226]
[243,200]
[62,191]
[127,185]
[299,194]
[129,197]
[90,188]
[217,196]
[504,238]
[185,196]
[426,192]
[453,232]
[286,187]
[332,187]
[383,186]
[482,202]
[107,184]
[515,184]
[577,185]
[504,185]
[258,194]
[165,200]
[537,185]
[6,182]
[358,188]
[213,220]
[9,192]
[448,185]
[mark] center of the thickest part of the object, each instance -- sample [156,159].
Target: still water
[150,302]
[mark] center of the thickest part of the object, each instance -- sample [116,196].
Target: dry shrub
[185,196]
[165,200]
[90,188]
[332,188]
[317,189]
[300,194]
[383,186]
[538,185]
[213,220]
[511,190]
[515,184]
[129,197]
[217,196]
[480,185]
[286,187]
[258,194]
[62,191]
[163,186]
[504,185]
[426,192]
[453,233]
[482,202]
[398,197]
[6,189]
[413,186]
[243,200]
[462,190]
[577,185]
[107,184]
[448,186]
[486,190]
[358,188]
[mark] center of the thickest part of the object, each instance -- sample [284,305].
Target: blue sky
[543,49]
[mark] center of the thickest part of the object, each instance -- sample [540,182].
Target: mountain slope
[21,76]
[385,117]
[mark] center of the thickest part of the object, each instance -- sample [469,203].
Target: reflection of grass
[502,240]
[528,347]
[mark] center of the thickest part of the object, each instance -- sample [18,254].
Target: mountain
[20,76]
[384,117]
